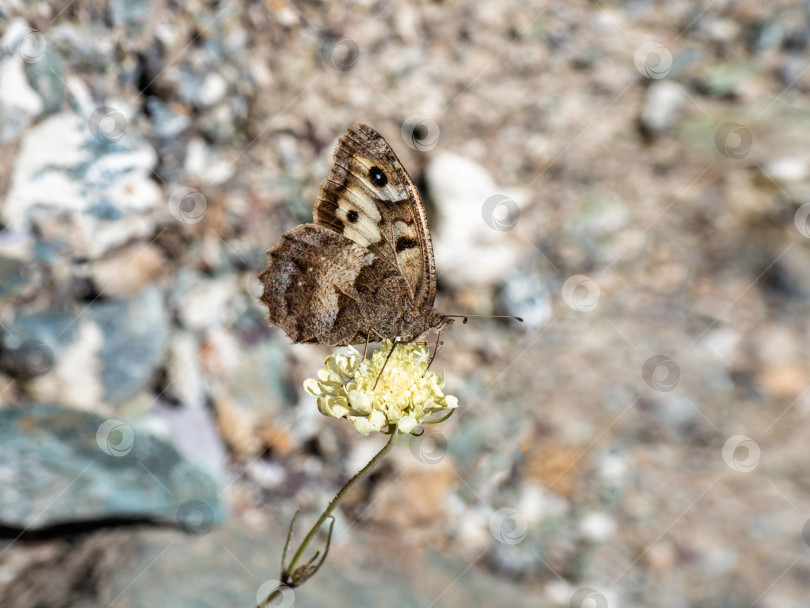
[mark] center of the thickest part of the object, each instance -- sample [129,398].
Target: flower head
[372,393]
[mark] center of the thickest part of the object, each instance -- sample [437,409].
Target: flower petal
[406,424]
[393,386]
[363,426]
[313,387]
[377,418]
[361,401]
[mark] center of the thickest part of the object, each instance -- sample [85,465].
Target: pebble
[47,78]
[203,303]
[212,91]
[81,195]
[787,170]
[194,431]
[135,340]
[126,272]
[185,382]
[661,106]
[468,251]
[526,296]
[597,526]
[20,104]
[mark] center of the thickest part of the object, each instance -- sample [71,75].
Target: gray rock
[203,302]
[20,105]
[792,72]
[166,123]
[59,465]
[259,385]
[194,431]
[135,338]
[133,13]
[32,344]
[18,275]
[771,34]
[82,193]
[46,77]
[12,275]
[526,295]
[228,566]
[85,46]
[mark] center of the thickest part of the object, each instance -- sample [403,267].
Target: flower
[404,394]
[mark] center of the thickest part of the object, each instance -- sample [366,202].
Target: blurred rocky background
[632,178]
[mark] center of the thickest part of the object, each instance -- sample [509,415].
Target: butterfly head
[439,321]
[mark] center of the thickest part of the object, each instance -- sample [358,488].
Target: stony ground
[631,178]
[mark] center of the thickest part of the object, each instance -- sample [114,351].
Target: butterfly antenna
[467,317]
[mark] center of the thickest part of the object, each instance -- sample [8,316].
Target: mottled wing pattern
[369,197]
[321,287]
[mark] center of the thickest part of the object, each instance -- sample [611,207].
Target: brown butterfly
[364,271]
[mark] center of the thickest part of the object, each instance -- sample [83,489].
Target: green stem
[287,571]
[270,598]
[339,496]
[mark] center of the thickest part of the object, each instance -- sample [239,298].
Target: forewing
[369,198]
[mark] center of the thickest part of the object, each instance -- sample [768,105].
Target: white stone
[788,170]
[468,251]
[538,503]
[62,174]
[75,380]
[185,382]
[664,100]
[613,468]
[204,164]
[213,90]
[206,302]
[19,103]
[597,526]
[16,30]
[81,98]
[722,343]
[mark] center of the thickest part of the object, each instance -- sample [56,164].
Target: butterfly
[364,270]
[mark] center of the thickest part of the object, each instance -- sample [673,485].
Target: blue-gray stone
[59,465]
[32,344]
[20,105]
[166,123]
[135,340]
[14,275]
[526,295]
[46,77]
[105,210]
[130,12]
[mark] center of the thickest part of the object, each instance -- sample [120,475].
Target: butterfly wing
[320,286]
[369,198]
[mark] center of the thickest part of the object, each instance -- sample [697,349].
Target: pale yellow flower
[405,394]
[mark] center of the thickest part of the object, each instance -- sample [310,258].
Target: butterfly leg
[436,349]
[391,352]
